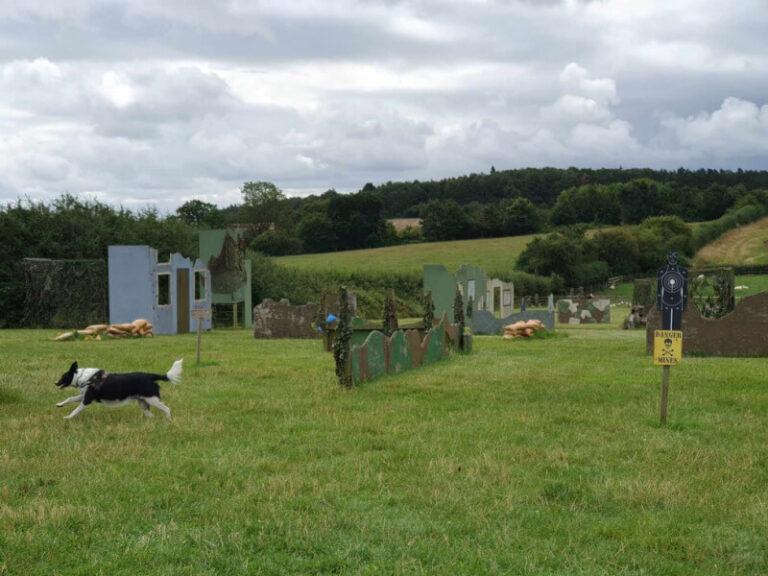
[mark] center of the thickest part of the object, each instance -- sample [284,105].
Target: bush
[528,284]
[751,209]
[302,286]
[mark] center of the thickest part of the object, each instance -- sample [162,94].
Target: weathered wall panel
[283,320]
[743,332]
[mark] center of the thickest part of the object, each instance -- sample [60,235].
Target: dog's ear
[73,368]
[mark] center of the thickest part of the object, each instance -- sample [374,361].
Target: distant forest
[503,203]
[500,203]
[542,186]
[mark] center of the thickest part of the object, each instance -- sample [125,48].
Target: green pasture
[487,253]
[752,284]
[528,457]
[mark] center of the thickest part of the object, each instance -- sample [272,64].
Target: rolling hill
[743,246]
[487,253]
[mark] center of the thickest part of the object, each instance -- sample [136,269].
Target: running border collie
[117,389]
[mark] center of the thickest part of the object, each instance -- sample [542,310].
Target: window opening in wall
[164,289]
[200,282]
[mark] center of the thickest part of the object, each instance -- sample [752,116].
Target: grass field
[488,253]
[744,246]
[534,457]
[753,284]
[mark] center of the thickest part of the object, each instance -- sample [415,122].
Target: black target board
[672,293]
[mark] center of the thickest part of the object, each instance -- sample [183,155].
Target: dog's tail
[174,374]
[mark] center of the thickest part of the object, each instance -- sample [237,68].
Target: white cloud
[116,90]
[139,102]
[737,129]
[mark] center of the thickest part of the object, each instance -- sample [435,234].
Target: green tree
[262,206]
[520,217]
[639,199]
[199,213]
[444,221]
[315,230]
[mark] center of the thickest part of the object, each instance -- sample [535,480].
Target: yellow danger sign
[667,347]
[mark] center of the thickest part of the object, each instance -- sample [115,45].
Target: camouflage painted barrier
[361,329]
[743,332]
[283,320]
[576,311]
[404,350]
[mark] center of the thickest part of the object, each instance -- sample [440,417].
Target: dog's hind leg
[144,407]
[75,412]
[155,401]
[70,400]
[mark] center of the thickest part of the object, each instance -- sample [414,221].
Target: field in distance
[487,253]
[743,246]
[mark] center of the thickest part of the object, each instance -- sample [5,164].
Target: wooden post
[200,315]
[234,313]
[664,394]
[199,332]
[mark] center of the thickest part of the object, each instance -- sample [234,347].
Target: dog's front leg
[70,400]
[75,412]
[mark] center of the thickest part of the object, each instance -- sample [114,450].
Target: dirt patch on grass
[401,224]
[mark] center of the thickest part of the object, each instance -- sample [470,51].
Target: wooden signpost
[672,295]
[200,314]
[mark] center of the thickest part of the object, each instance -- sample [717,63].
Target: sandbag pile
[523,329]
[139,328]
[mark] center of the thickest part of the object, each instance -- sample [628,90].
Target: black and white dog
[117,389]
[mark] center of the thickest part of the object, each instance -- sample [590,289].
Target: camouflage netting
[644,293]
[65,293]
[228,273]
[712,289]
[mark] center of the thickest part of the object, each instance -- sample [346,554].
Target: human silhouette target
[672,293]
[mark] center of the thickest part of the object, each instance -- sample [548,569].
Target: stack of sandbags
[139,328]
[523,329]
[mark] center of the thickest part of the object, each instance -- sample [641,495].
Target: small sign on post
[672,296]
[200,314]
[667,347]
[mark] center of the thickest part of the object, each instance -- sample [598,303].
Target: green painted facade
[223,253]
[442,284]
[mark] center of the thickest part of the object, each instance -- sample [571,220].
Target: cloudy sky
[155,102]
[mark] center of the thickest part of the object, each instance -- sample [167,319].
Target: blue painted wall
[133,288]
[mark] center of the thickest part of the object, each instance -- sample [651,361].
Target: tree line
[588,259]
[486,205]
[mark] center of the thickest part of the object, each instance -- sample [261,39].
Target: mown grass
[487,253]
[745,246]
[528,457]
[752,284]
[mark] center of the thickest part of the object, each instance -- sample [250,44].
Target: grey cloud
[157,102]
